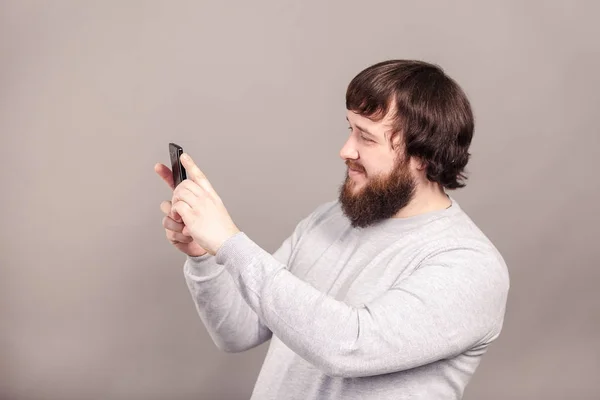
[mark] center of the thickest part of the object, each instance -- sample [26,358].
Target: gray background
[92,299]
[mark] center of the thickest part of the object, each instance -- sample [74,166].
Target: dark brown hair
[432,113]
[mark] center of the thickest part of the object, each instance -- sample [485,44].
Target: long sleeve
[453,302]
[231,323]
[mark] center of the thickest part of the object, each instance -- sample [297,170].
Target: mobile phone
[175,152]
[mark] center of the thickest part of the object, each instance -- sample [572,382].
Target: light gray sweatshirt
[403,309]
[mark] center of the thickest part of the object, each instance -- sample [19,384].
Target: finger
[176,237]
[183,209]
[195,174]
[172,225]
[176,217]
[166,208]
[189,191]
[191,186]
[186,196]
[165,173]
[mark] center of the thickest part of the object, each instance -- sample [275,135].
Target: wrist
[197,254]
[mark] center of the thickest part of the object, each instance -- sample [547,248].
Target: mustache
[353,166]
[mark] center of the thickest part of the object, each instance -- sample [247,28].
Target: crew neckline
[416,220]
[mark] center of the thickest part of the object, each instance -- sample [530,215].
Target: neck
[428,197]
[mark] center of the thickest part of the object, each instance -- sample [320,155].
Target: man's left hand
[205,217]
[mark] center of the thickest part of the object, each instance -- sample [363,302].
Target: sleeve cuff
[202,268]
[199,259]
[251,267]
[237,250]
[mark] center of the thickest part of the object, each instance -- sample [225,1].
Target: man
[388,292]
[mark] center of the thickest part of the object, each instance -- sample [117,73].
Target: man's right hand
[175,229]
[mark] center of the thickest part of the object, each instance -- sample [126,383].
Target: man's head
[410,130]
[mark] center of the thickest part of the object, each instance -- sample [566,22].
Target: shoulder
[461,260]
[459,244]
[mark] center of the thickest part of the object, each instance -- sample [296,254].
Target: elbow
[239,347]
[350,367]
[342,371]
[348,359]
[235,344]
[228,347]
[342,366]
[234,347]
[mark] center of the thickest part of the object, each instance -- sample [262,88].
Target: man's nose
[349,151]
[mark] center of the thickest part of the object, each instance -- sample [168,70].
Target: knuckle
[169,235]
[186,184]
[183,239]
[169,224]
[173,225]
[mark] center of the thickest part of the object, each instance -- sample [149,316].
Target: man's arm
[450,304]
[231,323]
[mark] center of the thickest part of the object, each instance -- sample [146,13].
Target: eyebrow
[363,130]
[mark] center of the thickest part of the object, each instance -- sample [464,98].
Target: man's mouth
[352,171]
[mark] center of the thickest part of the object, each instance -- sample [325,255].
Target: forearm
[312,324]
[231,323]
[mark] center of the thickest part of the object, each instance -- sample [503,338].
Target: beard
[380,198]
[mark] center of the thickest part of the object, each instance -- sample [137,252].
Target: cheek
[379,165]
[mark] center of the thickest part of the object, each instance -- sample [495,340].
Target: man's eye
[362,137]
[366,139]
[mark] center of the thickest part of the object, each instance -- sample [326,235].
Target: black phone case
[175,152]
